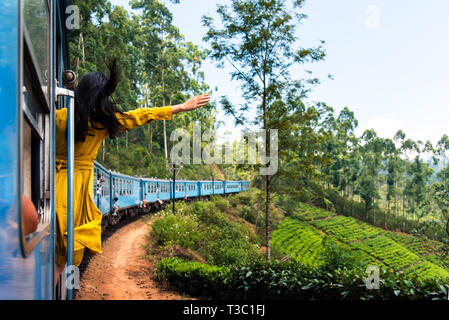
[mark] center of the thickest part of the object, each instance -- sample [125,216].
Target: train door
[27,161]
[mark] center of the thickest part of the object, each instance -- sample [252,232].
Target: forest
[396,183]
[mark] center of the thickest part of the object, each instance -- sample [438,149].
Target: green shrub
[261,280]
[201,226]
[193,277]
[182,230]
[221,203]
[248,213]
[335,256]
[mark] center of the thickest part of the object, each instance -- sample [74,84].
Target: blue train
[128,194]
[34,60]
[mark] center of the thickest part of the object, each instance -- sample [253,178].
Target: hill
[302,236]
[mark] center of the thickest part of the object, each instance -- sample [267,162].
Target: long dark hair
[93,104]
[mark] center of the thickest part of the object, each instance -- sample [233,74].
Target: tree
[258,39]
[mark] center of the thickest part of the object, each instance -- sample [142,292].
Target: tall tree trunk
[267,218]
[81,46]
[352,201]
[403,214]
[102,151]
[150,129]
[126,140]
[267,147]
[163,92]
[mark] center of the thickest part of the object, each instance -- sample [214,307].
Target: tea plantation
[301,238]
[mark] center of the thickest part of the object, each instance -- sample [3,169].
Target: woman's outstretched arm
[191,104]
[138,117]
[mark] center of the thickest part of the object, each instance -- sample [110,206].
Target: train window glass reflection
[36,18]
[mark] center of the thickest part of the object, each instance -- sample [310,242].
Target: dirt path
[121,272]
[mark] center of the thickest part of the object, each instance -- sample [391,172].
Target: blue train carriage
[192,189]
[179,189]
[232,186]
[184,189]
[245,185]
[153,189]
[101,188]
[206,187]
[218,186]
[33,58]
[125,193]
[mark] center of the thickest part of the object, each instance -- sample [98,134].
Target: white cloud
[385,127]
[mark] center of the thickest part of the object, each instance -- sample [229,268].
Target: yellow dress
[87,217]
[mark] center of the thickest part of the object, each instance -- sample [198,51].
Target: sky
[389,61]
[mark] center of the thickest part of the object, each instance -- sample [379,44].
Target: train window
[35,121]
[36,18]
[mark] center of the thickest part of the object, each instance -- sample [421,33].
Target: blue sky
[389,60]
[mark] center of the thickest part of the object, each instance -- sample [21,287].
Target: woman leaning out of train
[96,118]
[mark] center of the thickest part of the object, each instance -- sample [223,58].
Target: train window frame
[35,117]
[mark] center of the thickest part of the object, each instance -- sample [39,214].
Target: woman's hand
[192,104]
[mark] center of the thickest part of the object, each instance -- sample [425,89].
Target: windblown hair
[93,104]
